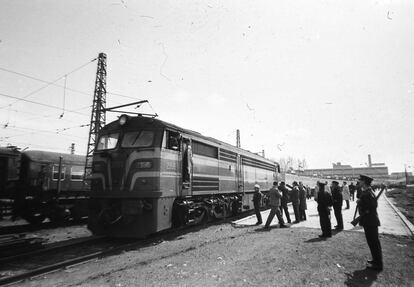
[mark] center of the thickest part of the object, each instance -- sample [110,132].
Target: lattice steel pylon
[98,116]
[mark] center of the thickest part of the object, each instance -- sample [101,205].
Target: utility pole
[98,117]
[238,138]
[72,148]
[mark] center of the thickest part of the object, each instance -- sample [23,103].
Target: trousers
[284,207]
[371,234]
[258,214]
[274,210]
[338,216]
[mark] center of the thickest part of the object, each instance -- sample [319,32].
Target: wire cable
[43,81]
[51,83]
[41,104]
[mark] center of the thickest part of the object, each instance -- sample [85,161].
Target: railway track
[61,255]
[24,228]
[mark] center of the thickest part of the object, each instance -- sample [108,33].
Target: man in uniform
[257,198]
[294,196]
[284,200]
[367,207]
[337,204]
[324,200]
[274,200]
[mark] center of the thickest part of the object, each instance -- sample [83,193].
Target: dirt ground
[223,255]
[404,200]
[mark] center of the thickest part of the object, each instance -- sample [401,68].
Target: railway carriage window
[138,139]
[108,141]
[76,173]
[55,172]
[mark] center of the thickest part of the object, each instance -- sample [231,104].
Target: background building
[378,171]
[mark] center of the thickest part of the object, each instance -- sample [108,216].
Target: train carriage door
[187,167]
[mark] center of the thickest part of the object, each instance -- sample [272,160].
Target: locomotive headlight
[142,164]
[123,119]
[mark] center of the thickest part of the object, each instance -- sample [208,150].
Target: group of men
[279,196]
[366,205]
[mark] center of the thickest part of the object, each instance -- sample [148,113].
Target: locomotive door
[239,175]
[187,167]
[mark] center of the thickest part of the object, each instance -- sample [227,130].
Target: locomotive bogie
[130,217]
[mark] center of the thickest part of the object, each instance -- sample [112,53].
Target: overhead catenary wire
[46,131]
[43,81]
[41,104]
[51,83]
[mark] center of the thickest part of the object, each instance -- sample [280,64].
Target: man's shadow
[364,277]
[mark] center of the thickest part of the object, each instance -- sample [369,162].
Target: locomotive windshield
[138,139]
[107,141]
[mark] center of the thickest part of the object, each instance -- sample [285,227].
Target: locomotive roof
[9,151]
[48,156]
[160,123]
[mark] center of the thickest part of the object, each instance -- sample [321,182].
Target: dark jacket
[257,197]
[324,201]
[336,196]
[274,197]
[285,194]
[367,207]
[294,195]
[302,198]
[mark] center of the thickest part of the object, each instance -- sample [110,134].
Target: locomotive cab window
[55,172]
[138,139]
[107,141]
[172,140]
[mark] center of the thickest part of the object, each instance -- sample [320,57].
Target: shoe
[266,227]
[258,223]
[289,221]
[339,229]
[324,236]
[283,226]
[375,267]
[296,221]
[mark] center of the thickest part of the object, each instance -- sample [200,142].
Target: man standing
[302,202]
[274,201]
[284,200]
[367,207]
[324,200]
[345,194]
[337,204]
[294,196]
[257,198]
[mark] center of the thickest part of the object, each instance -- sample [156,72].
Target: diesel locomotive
[149,175]
[30,186]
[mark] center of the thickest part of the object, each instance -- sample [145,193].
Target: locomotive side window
[76,173]
[173,140]
[108,141]
[204,149]
[55,172]
[138,139]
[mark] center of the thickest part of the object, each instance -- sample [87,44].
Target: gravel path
[225,255]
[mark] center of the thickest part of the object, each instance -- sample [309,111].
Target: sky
[325,81]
